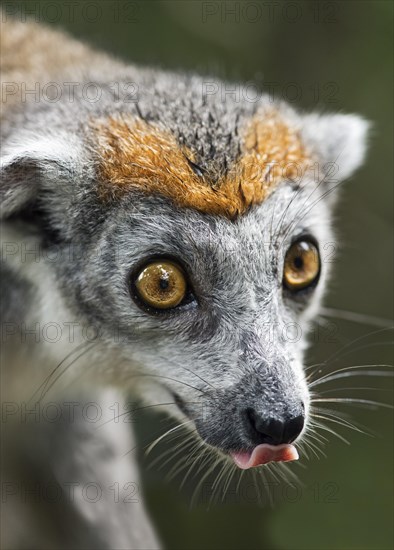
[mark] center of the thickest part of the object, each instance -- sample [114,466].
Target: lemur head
[197,227]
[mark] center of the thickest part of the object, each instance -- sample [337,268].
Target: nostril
[265,430]
[273,431]
[293,428]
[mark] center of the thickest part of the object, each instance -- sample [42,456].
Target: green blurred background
[329,56]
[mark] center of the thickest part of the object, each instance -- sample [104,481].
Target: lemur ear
[340,142]
[31,165]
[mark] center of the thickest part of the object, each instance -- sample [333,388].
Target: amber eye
[302,265]
[161,285]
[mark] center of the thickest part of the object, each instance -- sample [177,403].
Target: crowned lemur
[159,239]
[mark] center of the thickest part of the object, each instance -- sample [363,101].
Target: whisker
[364,346]
[321,426]
[351,400]
[301,447]
[215,486]
[150,443]
[153,445]
[314,435]
[173,451]
[279,226]
[198,376]
[226,486]
[343,424]
[289,472]
[339,353]
[142,375]
[368,388]
[183,461]
[295,219]
[343,419]
[193,458]
[315,449]
[191,462]
[117,417]
[348,371]
[308,452]
[310,207]
[355,317]
[45,382]
[171,454]
[205,476]
[47,388]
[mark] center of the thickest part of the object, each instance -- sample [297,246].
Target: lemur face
[201,228]
[217,311]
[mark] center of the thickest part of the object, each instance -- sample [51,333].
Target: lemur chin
[185,228]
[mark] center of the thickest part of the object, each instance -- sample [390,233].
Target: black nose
[263,429]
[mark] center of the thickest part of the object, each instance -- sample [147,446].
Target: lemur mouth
[261,454]
[264,453]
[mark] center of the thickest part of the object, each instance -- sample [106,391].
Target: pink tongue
[265,453]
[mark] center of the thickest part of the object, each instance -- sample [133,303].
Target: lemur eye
[302,265]
[161,285]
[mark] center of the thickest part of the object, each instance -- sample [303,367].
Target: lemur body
[109,193]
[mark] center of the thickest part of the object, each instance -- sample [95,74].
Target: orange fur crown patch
[137,155]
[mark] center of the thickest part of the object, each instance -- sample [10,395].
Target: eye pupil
[164,283]
[298,262]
